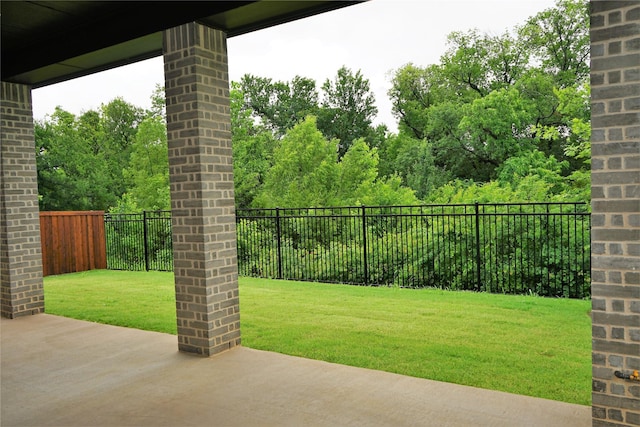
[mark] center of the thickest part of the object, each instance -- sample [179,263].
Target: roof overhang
[46,42]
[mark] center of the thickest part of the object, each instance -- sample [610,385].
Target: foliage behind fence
[539,248]
[139,241]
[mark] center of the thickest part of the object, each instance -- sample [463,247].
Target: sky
[375,38]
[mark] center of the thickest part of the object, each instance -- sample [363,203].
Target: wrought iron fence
[541,248]
[139,241]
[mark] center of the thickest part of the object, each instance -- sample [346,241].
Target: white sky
[375,37]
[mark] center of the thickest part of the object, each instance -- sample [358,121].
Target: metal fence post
[279,243]
[364,245]
[146,242]
[478,265]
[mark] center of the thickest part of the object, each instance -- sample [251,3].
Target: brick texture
[202,197]
[615,121]
[20,251]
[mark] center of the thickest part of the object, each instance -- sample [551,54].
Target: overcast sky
[375,37]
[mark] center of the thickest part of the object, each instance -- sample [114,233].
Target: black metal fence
[139,241]
[541,248]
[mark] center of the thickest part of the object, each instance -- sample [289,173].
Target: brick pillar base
[20,251]
[202,198]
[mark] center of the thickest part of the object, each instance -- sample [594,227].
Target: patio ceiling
[46,42]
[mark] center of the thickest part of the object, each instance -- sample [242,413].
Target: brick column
[202,198]
[20,251]
[615,121]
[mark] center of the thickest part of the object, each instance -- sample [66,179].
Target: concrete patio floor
[63,372]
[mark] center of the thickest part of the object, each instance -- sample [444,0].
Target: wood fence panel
[72,241]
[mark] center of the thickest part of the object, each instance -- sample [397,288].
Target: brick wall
[615,120]
[20,252]
[202,197]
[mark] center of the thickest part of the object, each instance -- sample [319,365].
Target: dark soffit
[46,42]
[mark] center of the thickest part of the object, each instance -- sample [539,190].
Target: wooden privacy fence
[72,241]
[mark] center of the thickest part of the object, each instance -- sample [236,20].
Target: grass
[518,344]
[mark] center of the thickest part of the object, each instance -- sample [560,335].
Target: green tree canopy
[559,39]
[73,173]
[147,175]
[306,173]
[253,147]
[82,160]
[344,111]
[495,97]
[280,105]
[504,116]
[348,108]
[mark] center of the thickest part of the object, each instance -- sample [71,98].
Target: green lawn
[519,344]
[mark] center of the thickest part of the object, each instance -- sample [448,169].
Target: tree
[158,103]
[72,172]
[466,63]
[491,99]
[462,106]
[280,105]
[119,122]
[413,162]
[304,172]
[147,175]
[547,169]
[495,128]
[357,173]
[345,113]
[414,90]
[559,38]
[347,108]
[81,160]
[253,147]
